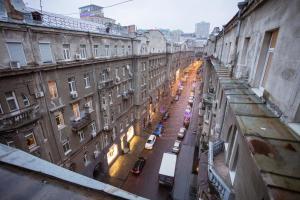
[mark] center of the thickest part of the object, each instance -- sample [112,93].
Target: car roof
[151,137]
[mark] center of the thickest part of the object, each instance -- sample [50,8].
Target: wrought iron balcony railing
[81,122]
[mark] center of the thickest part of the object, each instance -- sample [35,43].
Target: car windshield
[149,141]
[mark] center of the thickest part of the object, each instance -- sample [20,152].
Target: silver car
[176,147]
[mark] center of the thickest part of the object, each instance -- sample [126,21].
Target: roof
[34,178]
[274,146]
[168,164]
[91,5]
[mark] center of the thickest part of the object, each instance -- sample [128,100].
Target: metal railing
[105,84]
[82,122]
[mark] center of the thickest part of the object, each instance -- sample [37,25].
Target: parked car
[181,132]
[158,130]
[165,116]
[176,146]
[176,98]
[186,122]
[150,142]
[138,166]
[191,101]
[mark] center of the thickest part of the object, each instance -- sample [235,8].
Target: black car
[138,166]
[165,116]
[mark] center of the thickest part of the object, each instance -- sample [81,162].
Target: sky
[150,14]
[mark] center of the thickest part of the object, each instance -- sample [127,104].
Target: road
[146,184]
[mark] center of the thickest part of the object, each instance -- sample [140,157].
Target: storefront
[112,153]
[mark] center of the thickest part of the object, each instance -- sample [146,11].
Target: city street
[146,184]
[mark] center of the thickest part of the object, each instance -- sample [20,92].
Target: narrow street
[146,184]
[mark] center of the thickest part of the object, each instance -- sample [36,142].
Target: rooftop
[45,180]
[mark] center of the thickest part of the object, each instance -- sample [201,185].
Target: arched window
[25,100]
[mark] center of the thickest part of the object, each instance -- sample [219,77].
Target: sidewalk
[120,169]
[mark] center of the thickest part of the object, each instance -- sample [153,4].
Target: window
[30,140]
[72,86]
[245,51]
[11,143]
[81,135]
[1,110]
[103,101]
[76,111]
[116,50]
[59,120]
[121,127]
[46,54]
[124,70]
[123,50]
[105,120]
[86,159]
[110,98]
[93,127]
[232,171]
[89,103]
[269,57]
[114,133]
[129,50]
[11,101]
[131,117]
[52,89]
[82,51]
[66,147]
[119,108]
[117,72]
[118,90]
[86,78]
[96,51]
[16,52]
[97,150]
[25,100]
[66,52]
[106,50]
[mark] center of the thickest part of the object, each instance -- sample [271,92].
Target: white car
[181,132]
[150,142]
[176,147]
[191,100]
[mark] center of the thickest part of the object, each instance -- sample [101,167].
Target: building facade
[250,107]
[202,29]
[76,97]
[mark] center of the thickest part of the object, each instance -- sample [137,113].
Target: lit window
[81,135]
[66,52]
[46,54]
[25,100]
[66,147]
[82,51]
[72,86]
[59,120]
[76,111]
[30,140]
[52,89]
[16,52]
[86,78]
[11,101]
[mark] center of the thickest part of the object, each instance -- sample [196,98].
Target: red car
[186,122]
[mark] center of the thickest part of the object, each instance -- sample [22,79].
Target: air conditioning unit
[15,65]
[77,56]
[74,94]
[39,94]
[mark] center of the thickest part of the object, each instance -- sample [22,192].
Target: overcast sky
[146,14]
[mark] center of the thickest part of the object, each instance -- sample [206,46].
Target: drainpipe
[240,5]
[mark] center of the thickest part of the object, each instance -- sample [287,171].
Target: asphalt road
[146,184]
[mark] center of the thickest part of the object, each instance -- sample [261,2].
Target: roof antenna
[41,6]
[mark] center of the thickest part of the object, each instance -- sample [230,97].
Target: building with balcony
[71,94]
[250,133]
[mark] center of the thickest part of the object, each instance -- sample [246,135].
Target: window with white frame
[106,50]
[46,53]
[117,72]
[59,120]
[119,108]
[72,85]
[110,98]
[124,70]
[97,150]
[118,90]
[12,101]
[116,50]
[93,127]
[127,122]
[76,111]
[129,50]
[82,51]
[52,89]
[89,103]
[86,159]
[26,101]
[30,140]
[1,110]
[66,52]
[81,135]
[105,120]
[121,127]
[96,51]
[103,101]
[114,135]
[87,82]
[131,117]
[123,50]
[66,146]
[16,52]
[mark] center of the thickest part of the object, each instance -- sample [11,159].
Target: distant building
[202,29]
[94,13]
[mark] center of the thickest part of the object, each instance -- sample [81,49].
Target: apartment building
[250,107]
[69,92]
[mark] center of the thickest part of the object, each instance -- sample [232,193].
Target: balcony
[107,127]
[105,84]
[218,171]
[19,118]
[79,124]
